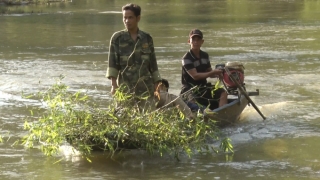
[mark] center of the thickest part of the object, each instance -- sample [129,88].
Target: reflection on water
[275,40]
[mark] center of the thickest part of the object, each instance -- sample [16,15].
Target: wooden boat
[238,99]
[229,114]
[226,115]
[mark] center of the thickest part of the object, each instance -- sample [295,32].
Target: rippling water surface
[277,41]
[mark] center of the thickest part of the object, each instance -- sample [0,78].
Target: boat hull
[226,115]
[230,113]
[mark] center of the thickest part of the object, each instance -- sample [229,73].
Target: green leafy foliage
[72,117]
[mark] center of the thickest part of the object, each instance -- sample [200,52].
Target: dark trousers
[203,95]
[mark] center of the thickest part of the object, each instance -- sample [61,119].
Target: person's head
[195,39]
[131,16]
[164,85]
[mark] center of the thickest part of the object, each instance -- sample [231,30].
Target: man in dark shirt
[196,68]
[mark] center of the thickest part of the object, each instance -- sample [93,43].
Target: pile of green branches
[73,117]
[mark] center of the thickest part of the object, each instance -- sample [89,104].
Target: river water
[277,41]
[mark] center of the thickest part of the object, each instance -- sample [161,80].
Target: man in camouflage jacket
[132,60]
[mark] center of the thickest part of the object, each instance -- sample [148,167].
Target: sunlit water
[277,41]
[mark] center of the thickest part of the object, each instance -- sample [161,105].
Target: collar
[193,56]
[140,34]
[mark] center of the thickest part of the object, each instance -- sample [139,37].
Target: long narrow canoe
[225,115]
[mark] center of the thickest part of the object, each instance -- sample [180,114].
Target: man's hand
[114,85]
[215,73]
[113,89]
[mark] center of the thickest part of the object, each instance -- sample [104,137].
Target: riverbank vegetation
[12,6]
[26,2]
[72,117]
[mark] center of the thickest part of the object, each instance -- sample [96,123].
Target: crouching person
[170,100]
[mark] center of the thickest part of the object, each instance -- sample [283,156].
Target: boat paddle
[243,92]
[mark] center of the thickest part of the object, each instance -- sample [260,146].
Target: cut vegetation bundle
[73,117]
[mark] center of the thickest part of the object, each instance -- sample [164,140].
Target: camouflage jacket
[133,63]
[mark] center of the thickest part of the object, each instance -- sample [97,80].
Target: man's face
[130,20]
[195,42]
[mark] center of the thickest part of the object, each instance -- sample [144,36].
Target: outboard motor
[237,71]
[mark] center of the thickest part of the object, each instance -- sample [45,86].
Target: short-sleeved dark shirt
[190,61]
[202,94]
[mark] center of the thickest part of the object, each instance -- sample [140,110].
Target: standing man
[196,68]
[132,60]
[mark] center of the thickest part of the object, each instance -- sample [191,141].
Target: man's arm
[190,68]
[113,69]
[203,75]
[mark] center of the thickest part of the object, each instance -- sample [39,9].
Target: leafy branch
[72,117]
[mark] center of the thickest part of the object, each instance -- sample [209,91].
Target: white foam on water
[70,153]
[270,111]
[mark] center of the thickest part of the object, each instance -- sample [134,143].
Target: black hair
[165,83]
[136,9]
